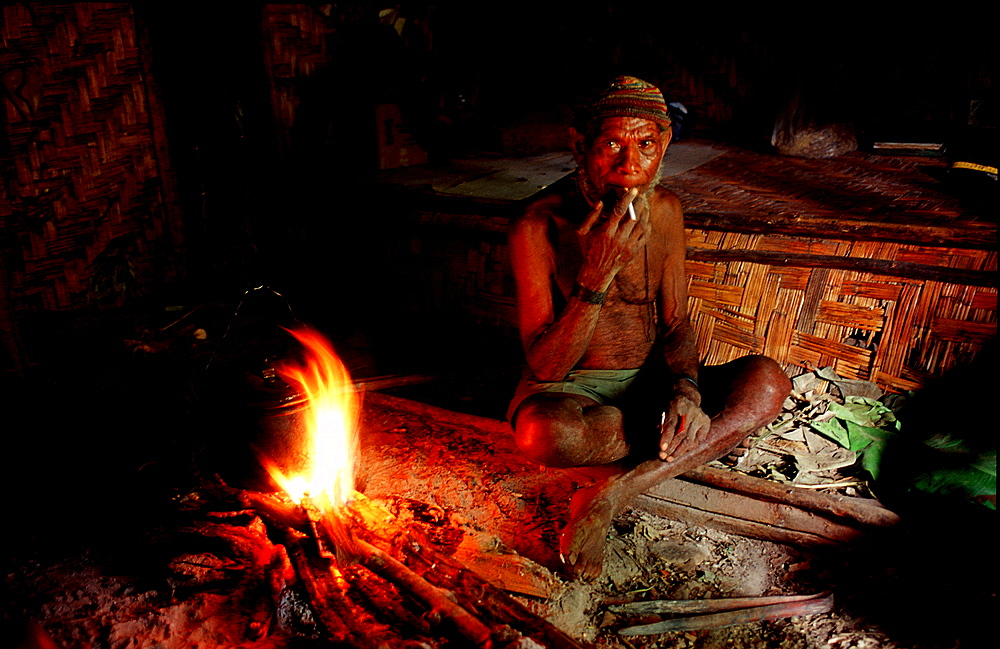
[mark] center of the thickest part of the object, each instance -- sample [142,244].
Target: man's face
[625,152]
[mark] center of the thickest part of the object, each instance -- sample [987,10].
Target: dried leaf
[850,387]
[804,382]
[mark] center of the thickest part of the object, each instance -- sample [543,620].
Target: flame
[330,426]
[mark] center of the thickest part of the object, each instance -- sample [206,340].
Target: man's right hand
[685,427]
[610,244]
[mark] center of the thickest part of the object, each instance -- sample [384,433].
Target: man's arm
[554,343]
[684,422]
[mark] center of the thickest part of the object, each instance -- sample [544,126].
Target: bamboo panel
[85,162]
[449,270]
[843,314]
[295,50]
[896,331]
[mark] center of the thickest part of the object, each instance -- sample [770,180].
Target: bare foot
[581,543]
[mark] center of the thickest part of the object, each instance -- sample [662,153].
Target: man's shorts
[603,386]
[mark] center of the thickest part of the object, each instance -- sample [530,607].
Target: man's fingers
[626,217]
[668,434]
[588,223]
[677,442]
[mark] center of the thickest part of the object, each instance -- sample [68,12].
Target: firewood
[821,604]
[712,605]
[419,588]
[279,513]
[506,570]
[343,622]
[432,579]
[486,600]
[384,598]
[473,592]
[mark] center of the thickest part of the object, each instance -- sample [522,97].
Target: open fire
[347,552]
[330,426]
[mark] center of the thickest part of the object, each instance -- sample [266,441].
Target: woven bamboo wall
[295,49]
[895,331]
[84,165]
[450,264]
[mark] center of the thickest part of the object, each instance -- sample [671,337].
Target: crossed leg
[565,430]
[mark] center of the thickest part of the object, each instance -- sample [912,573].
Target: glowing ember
[330,425]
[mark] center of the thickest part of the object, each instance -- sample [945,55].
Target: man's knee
[772,378]
[756,382]
[767,381]
[569,431]
[549,432]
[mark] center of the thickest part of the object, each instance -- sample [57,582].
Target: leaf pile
[834,433]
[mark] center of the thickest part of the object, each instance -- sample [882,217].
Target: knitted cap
[629,97]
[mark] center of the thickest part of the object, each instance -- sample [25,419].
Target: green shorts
[603,386]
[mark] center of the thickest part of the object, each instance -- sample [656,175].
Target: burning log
[343,621]
[431,579]
[382,564]
[330,530]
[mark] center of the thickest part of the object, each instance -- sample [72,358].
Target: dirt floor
[104,459]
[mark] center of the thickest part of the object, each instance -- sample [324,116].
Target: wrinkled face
[624,152]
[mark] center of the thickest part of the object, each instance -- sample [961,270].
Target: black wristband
[586,295]
[686,377]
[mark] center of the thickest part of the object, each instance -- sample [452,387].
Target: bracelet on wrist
[686,377]
[586,295]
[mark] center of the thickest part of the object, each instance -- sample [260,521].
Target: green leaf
[987,463]
[947,443]
[969,481]
[862,436]
[865,411]
[833,429]
[871,457]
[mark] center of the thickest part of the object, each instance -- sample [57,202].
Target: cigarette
[631,211]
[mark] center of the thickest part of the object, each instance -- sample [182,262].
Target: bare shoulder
[535,221]
[666,203]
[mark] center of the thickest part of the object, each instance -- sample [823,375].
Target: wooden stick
[480,597]
[288,516]
[862,510]
[473,592]
[713,605]
[343,622]
[383,596]
[815,606]
[278,512]
[423,591]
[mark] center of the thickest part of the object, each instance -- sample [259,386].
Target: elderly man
[613,378]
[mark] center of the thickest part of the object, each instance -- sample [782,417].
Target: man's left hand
[684,427]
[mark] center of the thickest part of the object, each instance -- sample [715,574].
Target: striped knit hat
[627,97]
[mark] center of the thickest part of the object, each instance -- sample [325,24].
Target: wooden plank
[877,266]
[866,511]
[977,236]
[756,517]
